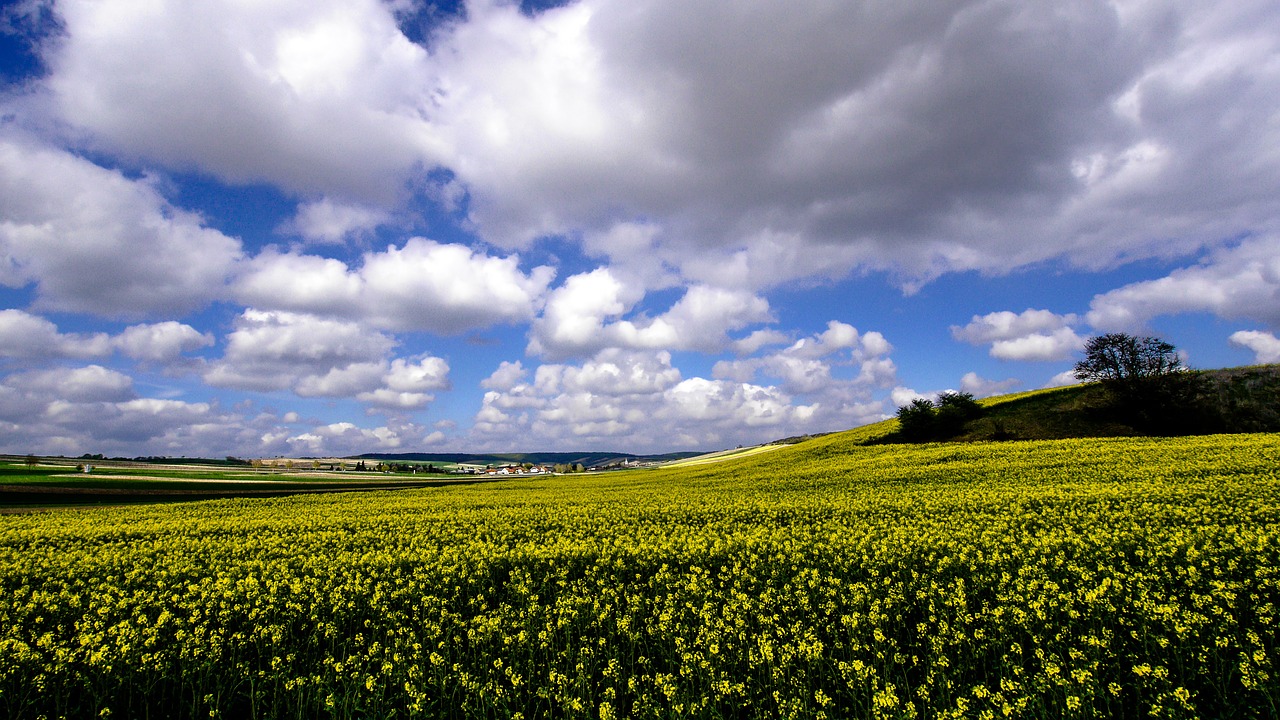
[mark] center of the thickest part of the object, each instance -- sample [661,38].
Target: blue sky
[326,227]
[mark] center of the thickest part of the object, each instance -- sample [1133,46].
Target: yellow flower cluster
[1090,578]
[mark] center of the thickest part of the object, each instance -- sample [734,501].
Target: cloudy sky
[312,227]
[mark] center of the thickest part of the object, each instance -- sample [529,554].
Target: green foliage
[954,410]
[1126,577]
[916,420]
[1151,389]
[1126,361]
[1197,402]
[923,419]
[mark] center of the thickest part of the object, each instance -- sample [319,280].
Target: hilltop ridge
[1228,400]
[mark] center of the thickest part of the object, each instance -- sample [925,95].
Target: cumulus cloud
[735,151]
[1029,335]
[612,372]
[585,315]
[981,387]
[23,335]
[92,383]
[27,336]
[638,397]
[94,241]
[902,395]
[91,409]
[758,339]
[1266,346]
[327,221]
[322,357]
[923,139]
[1062,379]
[507,376]
[71,411]
[423,285]
[276,350]
[161,342]
[344,438]
[805,367]
[1236,282]
[315,97]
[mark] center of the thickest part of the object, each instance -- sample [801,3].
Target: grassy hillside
[1121,577]
[1232,400]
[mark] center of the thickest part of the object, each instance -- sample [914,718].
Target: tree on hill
[1151,388]
[1124,360]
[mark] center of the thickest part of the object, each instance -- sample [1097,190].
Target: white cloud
[1062,379]
[901,396]
[764,337]
[1007,325]
[278,350]
[613,372]
[344,438]
[327,221]
[342,381]
[1057,345]
[982,387]
[639,398]
[161,342]
[585,315]
[424,285]
[1029,335]
[734,152]
[1266,346]
[72,411]
[805,367]
[96,242]
[388,399]
[27,336]
[448,288]
[23,335]
[507,376]
[427,373]
[321,357]
[576,312]
[1237,282]
[92,383]
[315,97]
[781,143]
[301,283]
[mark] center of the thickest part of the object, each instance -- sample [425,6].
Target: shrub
[954,410]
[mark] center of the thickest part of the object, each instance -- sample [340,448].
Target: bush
[927,420]
[918,420]
[954,410]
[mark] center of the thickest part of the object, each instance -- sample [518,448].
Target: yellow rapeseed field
[1083,578]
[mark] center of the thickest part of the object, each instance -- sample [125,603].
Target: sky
[329,227]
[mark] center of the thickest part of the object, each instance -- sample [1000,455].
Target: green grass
[1243,399]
